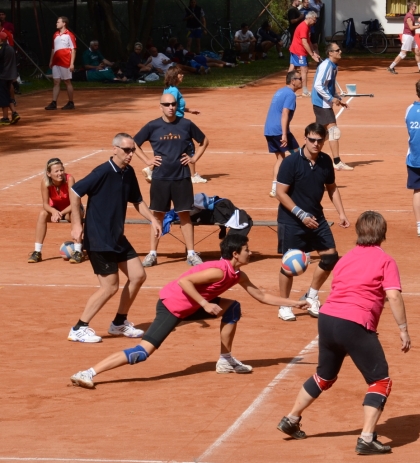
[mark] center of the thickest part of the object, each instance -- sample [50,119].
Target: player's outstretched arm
[398,310]
[267,298]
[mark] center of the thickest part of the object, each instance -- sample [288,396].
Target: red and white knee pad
[378,392]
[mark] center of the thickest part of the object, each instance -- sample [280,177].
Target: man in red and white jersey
[63,54]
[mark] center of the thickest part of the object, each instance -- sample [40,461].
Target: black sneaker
[5,121]
[15,117]
[69,105]
[392,70]
[51,106]
[291,429]
[76,257]
[371,448]
[35,257]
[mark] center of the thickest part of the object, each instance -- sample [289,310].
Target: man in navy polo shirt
[110,187]
[303,176]
[171,137]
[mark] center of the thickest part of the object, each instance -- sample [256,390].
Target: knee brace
[377,393]
[315,385]
[233,313]
[334,133]
[136,354]
[328,261]
[402,55]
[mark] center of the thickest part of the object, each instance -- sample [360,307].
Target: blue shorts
[413,179]
[274,146]
[196,64]
[195,33]
[298,60]
[298,236]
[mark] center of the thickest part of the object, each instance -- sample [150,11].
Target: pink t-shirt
[407,30]
[181,305]
[360,280]
[301,32]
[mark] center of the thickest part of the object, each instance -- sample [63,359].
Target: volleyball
[294,262]
[66,250]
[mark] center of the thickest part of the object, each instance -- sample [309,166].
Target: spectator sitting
[135,65]
[266,39]
[93,60]
[161,63]
[245,43]
[109,74]
[170,49]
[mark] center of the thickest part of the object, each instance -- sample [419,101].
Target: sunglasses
[297,78]
[315,140]
[169,104]
[337,50]
[126,150]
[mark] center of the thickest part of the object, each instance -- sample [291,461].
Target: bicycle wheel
[339,37]
[27,64]
[376,42]
[218,44]
[286,39]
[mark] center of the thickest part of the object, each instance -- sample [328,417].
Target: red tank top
[60,199]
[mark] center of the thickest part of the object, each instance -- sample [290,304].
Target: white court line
[90,460]
[259,400]
[41,173]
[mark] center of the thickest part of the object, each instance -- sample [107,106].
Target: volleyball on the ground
[294,262]
[66,250]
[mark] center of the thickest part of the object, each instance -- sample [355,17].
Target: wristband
[203,302]
[300,214]
[403,326]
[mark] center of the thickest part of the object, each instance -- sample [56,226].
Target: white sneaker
[147,172]
[150,260]
[306,94]
[272,194]
[127,329]
[342,166]
[83,379]
[286,314]
[418,231]
[83,334]
[197,179]
[315,305]
[233,366]
[193,260]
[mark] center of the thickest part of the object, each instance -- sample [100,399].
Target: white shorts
[408,42]
[58,72]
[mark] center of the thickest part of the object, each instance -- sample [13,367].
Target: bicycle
[166,33]
[373,38]
[223,39]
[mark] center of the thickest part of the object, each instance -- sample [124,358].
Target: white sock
[367,436]
[393,65]
[280,53]
[305,90]
[78,247]
[153,253]
[38,247]
[190,252]
[312,293]
[293,419]
[92,372]
[227,357]
[273,185]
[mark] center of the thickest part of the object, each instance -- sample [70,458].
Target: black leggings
[337,338]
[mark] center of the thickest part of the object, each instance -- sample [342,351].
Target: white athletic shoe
[127,329]
[83,379]
[150,260]
[147,172]
[286,314]
[315,305]
[306,94]
[342,166]
[83,334]
[196,178]
[233,366]
[194,260]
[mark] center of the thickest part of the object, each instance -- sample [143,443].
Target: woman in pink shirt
[347,326]
[195,296]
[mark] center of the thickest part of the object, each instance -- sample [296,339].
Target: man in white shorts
[63,54]
[408,38]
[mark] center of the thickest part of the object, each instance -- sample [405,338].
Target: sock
[337,160]
[78,247]
[418,226]
[393,65]
[305,89]
[80,324]
[119,319]
[293,419]
[92,372]
[153,252]
[38,247]
[227,357]
[418,64]
[312,293]
[280,53]
[274,185]
[367,436]
[190,252]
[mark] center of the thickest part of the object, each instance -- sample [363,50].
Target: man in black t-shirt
[295,17]
[195,18]
[301,182]
[171,137]
[110,187]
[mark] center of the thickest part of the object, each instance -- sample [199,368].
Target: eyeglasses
[297,78]
[338,49]
[126,150]
[315,140]
[169,104]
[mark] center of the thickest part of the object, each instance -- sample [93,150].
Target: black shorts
[5,99]
[338,337]
[274,146]
[297,236]
[165,321]
[413,179]
[180,192]
[106,263]
[324,116]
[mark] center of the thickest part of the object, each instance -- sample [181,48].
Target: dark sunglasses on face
[126,150]
[168,104]
[315,140]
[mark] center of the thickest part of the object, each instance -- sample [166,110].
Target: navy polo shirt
[307,183]
[109,189]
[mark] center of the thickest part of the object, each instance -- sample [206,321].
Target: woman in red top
[56,206]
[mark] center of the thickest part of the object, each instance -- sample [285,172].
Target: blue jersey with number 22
[412,119]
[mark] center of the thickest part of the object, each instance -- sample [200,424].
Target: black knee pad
[328,261]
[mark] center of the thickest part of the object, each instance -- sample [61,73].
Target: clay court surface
[174,407]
